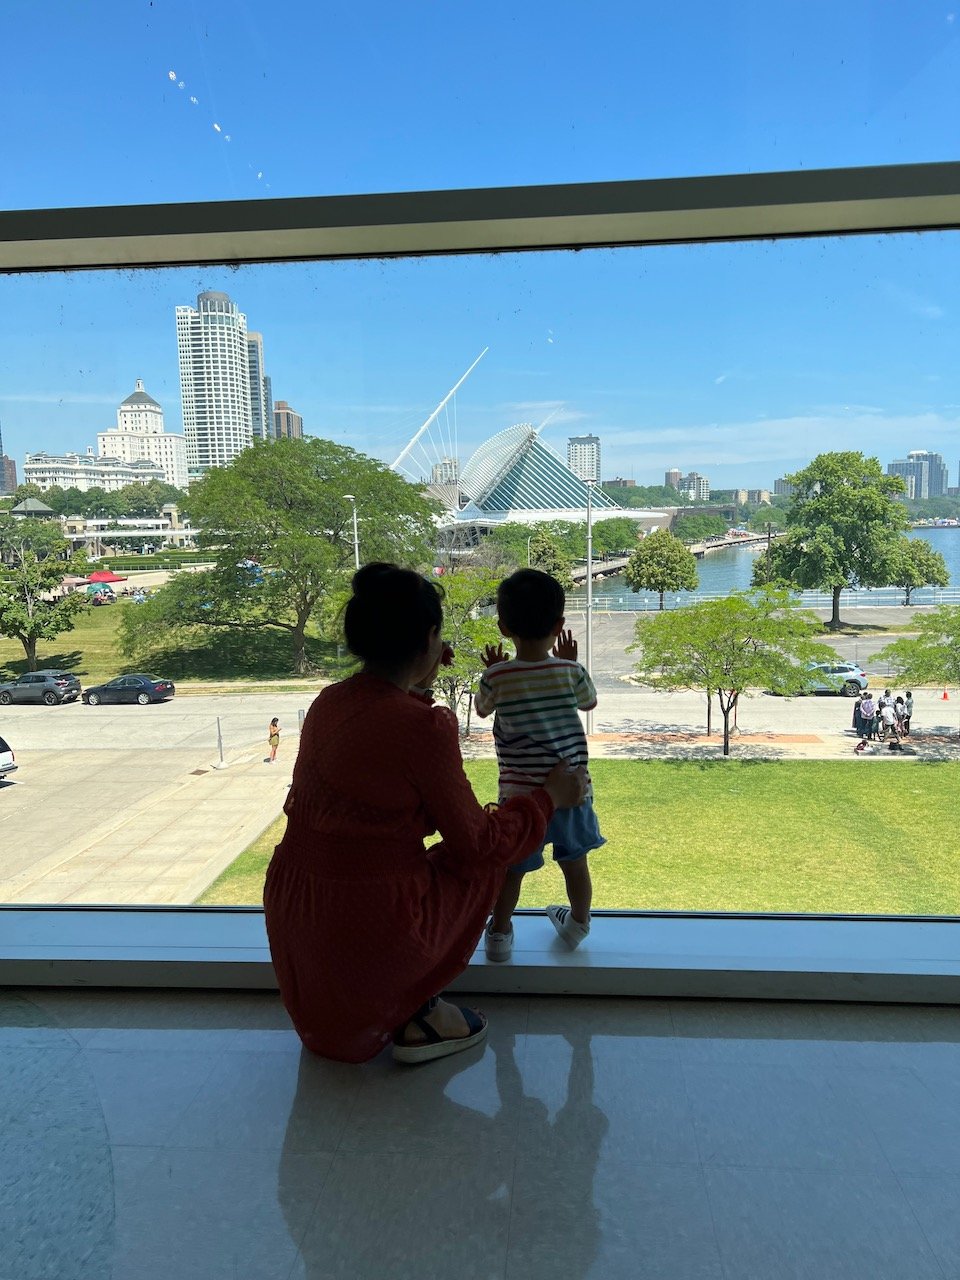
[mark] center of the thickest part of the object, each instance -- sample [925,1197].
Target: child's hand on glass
[491,656]
[566,646]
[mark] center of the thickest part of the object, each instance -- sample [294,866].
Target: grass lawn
[90,651]
[818,836]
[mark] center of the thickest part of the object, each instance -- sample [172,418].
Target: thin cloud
[917,304]
[67,397]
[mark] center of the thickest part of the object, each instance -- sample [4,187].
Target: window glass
[169,102]
[731,365]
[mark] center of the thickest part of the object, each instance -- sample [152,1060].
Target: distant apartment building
[583,457]
[140,436]
[446,471]
[673,477]
[287,423]
[87,471]
[620,482]
[8,471]
[915,474]
[694,486]
[783,488]
[760,496]
[214,381]
[261,410]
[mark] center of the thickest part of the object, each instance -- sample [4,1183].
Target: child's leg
[506,904]
[579,888]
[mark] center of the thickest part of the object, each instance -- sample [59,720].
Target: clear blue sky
[739,361]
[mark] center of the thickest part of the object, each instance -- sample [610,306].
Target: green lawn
[90,651]
[817,836]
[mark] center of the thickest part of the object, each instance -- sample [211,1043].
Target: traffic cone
[944,697]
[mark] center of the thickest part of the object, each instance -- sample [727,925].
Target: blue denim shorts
[572,832]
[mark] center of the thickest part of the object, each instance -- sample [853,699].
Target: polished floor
[184,1136]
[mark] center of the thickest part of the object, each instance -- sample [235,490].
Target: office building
[87,471]
[8,471]
[287,423]
[446,471]
[214,381]
[583,457]
[621,482]
[783,488]
[673,477]
[261,411]
[695,486]
[140,436]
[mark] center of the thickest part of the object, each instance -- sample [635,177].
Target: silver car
[838,677]
[47,687]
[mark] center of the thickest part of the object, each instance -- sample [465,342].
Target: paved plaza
[133,804]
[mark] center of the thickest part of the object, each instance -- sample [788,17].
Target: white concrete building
[214,381]
[87,471]
[583,457]
[140,436]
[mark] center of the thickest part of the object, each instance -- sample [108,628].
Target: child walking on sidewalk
[536,697]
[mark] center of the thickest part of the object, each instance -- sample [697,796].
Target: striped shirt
[536,722]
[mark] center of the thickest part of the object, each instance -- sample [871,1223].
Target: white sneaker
[570,930]
[498,946]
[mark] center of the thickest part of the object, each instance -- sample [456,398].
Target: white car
[7,759]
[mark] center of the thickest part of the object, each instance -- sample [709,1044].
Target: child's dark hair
[530,604]
[391,613]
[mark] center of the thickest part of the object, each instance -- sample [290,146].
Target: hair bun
[372,577]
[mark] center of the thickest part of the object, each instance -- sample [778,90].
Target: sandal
[435,1045]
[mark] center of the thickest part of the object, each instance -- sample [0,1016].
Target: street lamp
[589,646]
[348,497]
[529,540]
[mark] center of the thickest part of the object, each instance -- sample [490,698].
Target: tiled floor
[185,1135]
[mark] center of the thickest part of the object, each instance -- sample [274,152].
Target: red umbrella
[106,575]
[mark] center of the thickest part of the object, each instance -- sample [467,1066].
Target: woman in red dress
[365,924]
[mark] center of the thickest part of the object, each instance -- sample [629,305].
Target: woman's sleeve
[468,831]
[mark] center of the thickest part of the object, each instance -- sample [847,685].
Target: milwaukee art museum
[516,477]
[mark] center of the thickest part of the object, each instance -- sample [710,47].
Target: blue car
[135,688]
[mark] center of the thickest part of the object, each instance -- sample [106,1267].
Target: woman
[365,925]
[273,739]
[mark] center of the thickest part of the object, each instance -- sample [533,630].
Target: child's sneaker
[570,930]
[498,946]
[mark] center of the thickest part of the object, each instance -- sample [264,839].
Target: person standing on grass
[536,698]
[273,738]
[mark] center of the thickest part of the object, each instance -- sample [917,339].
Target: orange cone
[944,697]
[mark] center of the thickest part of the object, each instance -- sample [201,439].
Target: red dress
[364,923]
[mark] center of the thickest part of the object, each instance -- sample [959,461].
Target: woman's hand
[566,787]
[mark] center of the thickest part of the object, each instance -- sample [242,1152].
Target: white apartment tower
[261,405]
[140,436]
[214,381]
[583,457]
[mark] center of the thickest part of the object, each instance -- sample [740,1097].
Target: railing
[881,597]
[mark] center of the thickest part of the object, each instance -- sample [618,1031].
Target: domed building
[140,436]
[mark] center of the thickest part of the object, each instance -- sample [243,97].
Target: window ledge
[635,954]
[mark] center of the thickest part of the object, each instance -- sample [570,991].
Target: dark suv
[48,687]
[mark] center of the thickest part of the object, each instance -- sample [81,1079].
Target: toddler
[536,697]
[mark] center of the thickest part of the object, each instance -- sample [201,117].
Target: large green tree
[724,647]
[661,563]
[919,566]
[469,629]
[696,528]
[932,656]
[844,528]
[34,558]
[547,554]
[280,529]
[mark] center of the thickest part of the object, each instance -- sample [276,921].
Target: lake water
[721,572]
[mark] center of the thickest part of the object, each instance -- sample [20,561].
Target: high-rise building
[140,436]
[915,473]
[261,418]
[783,488]
[287,423]
[214,381]
[268,401]
[695,486]
[939,474]
[8,471]
[673,477]
[446,471]
[583,457]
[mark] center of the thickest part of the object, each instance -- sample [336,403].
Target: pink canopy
[106,575]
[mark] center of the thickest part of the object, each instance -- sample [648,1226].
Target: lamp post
[589,646]
[348,497]
[529,540]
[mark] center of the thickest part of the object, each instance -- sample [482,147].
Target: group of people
[886,719]
[367,926]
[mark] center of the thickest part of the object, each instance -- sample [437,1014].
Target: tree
[34,559]
[844,526]
[546,554]
[933,656]
[27,490]
[281,532]
[661,563]
[468,630]
[697,528]
[919,566]
[746,640]
[617,533]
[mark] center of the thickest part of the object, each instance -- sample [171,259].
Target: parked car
[48,687]
[8,763]
[135,688]
[839,677]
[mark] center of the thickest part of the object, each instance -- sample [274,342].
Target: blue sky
[737,360]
